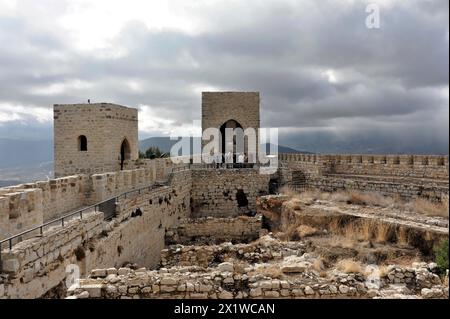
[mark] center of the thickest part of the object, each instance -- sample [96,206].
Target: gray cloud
[390,90]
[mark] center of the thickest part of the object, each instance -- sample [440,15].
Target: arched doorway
[231,124]
[125,152]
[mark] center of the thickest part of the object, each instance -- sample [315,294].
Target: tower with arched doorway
[94,138]
[230,110]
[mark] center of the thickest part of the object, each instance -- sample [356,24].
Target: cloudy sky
[327,81]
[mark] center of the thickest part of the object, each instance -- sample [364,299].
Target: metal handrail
[84,209]
[65,217]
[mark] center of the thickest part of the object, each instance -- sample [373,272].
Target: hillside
[165,144]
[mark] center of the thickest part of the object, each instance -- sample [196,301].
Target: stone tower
[230,110]
[94,138]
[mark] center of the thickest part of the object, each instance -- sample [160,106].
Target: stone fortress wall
[166,194]
[38,264]
[409,176]
[106,126]
[226,192]
[28,205]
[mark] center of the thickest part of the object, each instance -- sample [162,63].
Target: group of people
[227,160]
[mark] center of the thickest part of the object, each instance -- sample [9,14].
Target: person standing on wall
[241,160]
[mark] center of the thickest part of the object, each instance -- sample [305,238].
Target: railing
[79,212]
[107,215]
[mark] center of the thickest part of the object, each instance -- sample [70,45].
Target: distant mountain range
[165,144]
[17,153]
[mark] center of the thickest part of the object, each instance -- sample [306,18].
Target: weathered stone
[11,265]
[98,273]
[309,290]
[94,290]
[272,294]
[168,281]
[225,295]
[123,271]
[256,292]
[226,267]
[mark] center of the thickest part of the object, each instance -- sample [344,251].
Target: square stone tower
[230,109]
[94,138]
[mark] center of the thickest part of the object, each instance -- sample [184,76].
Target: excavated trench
[374,235]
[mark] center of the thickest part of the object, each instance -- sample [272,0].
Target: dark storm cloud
[315,63]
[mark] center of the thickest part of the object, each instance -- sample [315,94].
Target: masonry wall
[226,282]
[140,239]
[20,210]
[409,176]
[412,166]
[215,192]
[105,126]
[29,205]
[219,107]
[215,230]
[407,191]
[37,265]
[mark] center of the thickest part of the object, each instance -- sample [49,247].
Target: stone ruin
[137,228]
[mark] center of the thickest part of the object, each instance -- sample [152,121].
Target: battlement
[28,205]
[94,138]
[417,160]
[409,176]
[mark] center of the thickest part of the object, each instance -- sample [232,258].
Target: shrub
[441,254]
[350,266]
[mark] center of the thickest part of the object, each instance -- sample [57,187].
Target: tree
[154,152]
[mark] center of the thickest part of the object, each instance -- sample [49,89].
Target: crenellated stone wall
[28,205]
[409,176]
[36,265]
[105,126]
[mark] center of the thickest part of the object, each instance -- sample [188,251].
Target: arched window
[82,143]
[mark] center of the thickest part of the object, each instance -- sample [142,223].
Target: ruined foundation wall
[226,192]
[225,282]
[215,230]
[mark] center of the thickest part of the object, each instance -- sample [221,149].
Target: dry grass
[369,198]
[285,190]
[382,271]
[350,266]
[354,197]
[304,231]
[383,232]
[271,271]
[445,281]
[363,229]
[404,261]
[318,265]
[402,236]
[344,242]
[426,207]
